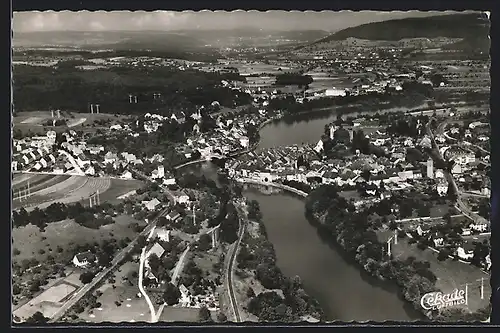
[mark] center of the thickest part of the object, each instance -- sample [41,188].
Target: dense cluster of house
[34,151]
[305,164]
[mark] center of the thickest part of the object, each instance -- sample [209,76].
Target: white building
[335,92]
[151,205]
[126,175]
[430,168]
[84,259]
[465,252]
[442,188]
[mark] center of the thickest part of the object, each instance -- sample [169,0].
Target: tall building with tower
[430,168]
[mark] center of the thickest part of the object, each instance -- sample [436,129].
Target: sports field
[47,189]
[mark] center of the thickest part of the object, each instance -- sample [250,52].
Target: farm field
[47,189]
[29,240]
[36,181]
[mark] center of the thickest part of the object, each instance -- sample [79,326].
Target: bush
[421,245]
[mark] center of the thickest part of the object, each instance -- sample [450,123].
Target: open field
[328,82]
[119,187]
[66,233]
[32,121]
[18,178]
[47,189]
[49,300]
[206,260]
[82,192]
[131,309]
[180,314]
[36,181]
[42,185]
[53,193]
[441,210]
[450,273]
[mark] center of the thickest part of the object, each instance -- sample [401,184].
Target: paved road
[180,265]
[72,161]
[229,274]
[114,264]
[141,285]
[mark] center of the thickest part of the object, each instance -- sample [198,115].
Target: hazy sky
[163,20]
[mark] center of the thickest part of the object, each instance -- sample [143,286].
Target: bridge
[277,185]
[208,157]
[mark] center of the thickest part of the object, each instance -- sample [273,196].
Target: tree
[250,292]
[443,255]
[154,263]
[87,277]
[204,242]
[204,315]
[221,317]
[37,318]
[229,226]
[171,295]
[141,241]
[270,276]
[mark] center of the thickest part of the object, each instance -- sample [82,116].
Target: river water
[344,291]
[306,127]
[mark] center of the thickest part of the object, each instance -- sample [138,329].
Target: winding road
[141,286]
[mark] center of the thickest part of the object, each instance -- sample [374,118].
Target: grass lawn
[32,120]
[441,210]
[206,260]
[180,314]
[131,309]
[53,191]
[451,274]
[119,187]
[65,233]
[36,182]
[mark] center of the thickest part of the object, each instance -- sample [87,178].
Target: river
[344,291]
[308,127]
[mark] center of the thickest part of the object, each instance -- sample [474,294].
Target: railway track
[229,274]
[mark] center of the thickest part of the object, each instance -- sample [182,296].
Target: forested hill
[453,26]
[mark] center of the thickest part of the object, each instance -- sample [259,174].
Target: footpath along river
[344,291]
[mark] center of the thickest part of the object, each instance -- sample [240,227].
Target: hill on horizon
[471,27]
[178,40]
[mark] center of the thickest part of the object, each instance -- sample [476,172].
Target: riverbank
[273,295]
[387,271]
[355,235]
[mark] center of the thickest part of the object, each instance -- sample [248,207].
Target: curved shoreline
[325,232]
